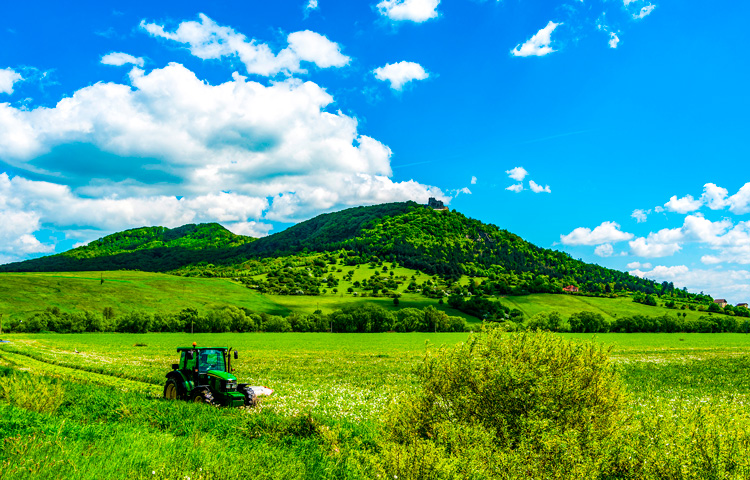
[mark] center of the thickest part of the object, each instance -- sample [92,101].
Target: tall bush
[532,396]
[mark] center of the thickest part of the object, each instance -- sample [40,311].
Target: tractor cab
[201,360]
[205,375]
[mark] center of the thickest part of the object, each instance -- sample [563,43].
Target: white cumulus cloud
[731,284]
[714,197]
[635,265]
[208,40]
[473,180]
[401,73]
[315,48]
[515,187]
[8,78]
[641,247]
[640,215]
[517,173]
[536,188]
[605,250]
[613,40]
[171,149]
[409,10]
[644,11]
[739,203]
[607,232]
[120,58]
[683,205]
[538,45]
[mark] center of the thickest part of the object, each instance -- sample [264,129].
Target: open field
[23,294]
[331,393]
[610,308]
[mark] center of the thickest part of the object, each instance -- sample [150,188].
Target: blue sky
[614,130]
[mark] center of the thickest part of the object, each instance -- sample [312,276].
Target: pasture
[23,294]
[98,413]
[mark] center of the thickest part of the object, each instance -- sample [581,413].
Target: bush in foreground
[521,405]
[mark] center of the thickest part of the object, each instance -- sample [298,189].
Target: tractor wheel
[171,390]
[202,396]
[250,399]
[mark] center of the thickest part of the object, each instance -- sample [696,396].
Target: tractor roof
[184,349]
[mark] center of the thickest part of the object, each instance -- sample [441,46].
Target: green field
[687,400]
[566,305]
[23,294]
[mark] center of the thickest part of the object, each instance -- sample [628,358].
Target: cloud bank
[170,149]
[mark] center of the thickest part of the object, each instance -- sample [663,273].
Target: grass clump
[518,405]
[35,393]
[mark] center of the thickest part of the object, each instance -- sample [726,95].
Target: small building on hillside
[436,204]
[744,305]
[721,302]
[570,289]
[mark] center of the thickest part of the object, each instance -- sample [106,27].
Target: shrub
[276,324]
[551,321]
[588,322]
[549,403]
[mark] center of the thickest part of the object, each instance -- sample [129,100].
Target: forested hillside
[442,242]
[152,249]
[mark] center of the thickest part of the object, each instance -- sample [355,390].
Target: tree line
[364,318]
[591,322]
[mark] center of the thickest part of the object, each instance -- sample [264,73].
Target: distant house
[721,302]
[570,289]
[436,204]
[742,305]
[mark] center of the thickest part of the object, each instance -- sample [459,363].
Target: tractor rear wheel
[171,390]
[202,396]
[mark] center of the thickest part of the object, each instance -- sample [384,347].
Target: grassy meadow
[23,294]
[98,413]
[89,405]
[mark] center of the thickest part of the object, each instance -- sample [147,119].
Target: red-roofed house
[570,289]
[721,302]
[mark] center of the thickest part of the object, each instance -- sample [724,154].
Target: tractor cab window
[186,361]
[211,360]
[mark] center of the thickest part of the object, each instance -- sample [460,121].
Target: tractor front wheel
[203,396]
[171,391]
[250,399]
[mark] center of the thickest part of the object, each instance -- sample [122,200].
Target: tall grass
[682,413]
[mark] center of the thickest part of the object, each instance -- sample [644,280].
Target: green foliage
[356,318]
[552,322]
[588,322]
[481,307]
[645,299]
[530,393]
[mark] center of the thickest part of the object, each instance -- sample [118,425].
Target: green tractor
[204,375]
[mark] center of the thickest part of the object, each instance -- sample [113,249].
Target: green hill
[151,249]
[435,242]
